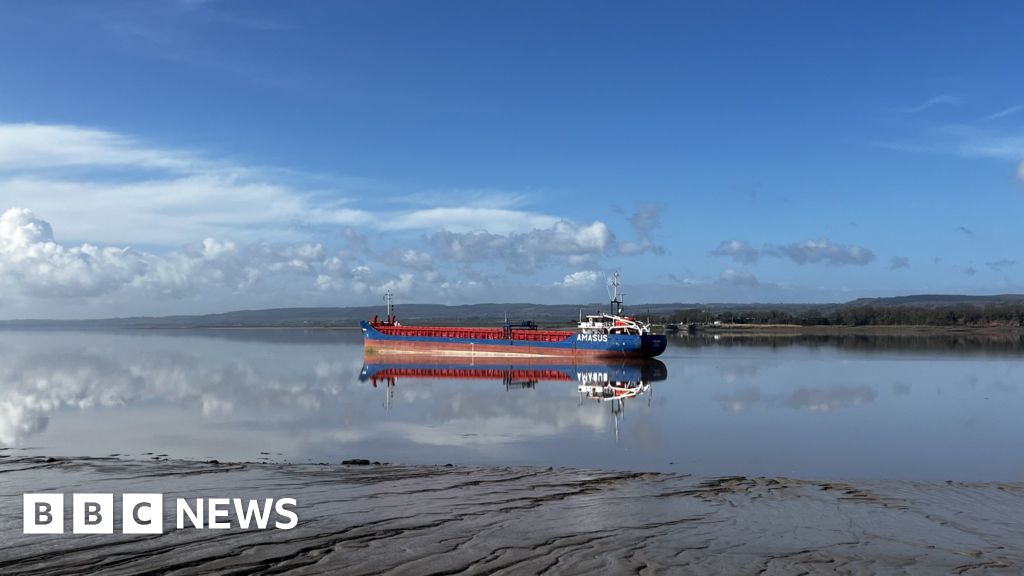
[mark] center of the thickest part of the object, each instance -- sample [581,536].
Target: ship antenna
[616,304]
[387,300]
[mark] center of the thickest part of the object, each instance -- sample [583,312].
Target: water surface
[905,408]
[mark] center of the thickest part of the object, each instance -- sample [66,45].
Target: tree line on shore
[960,315]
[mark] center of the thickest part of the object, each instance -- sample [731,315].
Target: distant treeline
[962,315]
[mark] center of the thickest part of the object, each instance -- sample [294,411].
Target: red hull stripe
[472,349]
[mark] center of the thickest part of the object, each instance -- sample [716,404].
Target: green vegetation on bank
[902,315]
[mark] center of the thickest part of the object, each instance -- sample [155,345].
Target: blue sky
[165,157]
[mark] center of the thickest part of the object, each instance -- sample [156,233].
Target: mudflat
[466,520]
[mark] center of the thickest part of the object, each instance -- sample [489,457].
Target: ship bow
[652,345]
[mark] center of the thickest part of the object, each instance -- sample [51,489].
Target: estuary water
[808,407]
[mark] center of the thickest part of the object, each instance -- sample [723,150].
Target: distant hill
[485,314]
[481,314]
[939,300]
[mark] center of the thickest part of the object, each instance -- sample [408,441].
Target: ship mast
[387,300]
[616,304]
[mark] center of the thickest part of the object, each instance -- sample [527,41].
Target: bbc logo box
[44,513]
[93,513]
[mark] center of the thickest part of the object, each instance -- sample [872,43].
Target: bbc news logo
[43,513]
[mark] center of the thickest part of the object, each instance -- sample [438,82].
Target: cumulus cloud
[898,262]
[581,279]
[525,251]
[359,279]
[739,250]
[33,264]
[823,250]
[412,259]
[737,278]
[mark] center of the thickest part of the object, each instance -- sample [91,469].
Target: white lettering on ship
[592,337]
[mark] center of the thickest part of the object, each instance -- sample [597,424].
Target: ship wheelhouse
[613,322]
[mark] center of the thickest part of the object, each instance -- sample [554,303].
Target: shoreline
[880,330]
[453,519]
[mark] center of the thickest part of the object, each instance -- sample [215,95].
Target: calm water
[817,408]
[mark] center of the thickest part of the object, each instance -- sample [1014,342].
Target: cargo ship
[603,335]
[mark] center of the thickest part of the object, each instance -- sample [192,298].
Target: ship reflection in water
[614,382]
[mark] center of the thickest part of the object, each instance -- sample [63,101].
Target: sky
[178,157]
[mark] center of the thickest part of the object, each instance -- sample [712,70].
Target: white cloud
[34,146]
[416,259]
[823,250]
[31,262]
[38,272]
[468,219]
[106,187]
[737,278]
[34,265]
[525,251]
[581,279]
[968,141]
[739,250]
[129,218]
[176,210]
